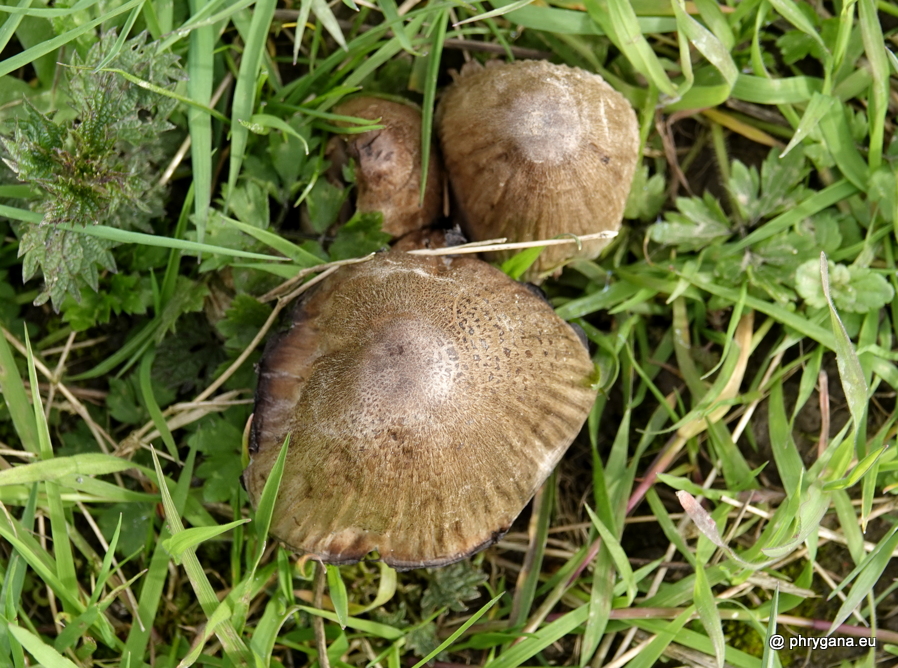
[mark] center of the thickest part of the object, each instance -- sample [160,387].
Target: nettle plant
[93,161]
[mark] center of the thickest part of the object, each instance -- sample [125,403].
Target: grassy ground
[159,189]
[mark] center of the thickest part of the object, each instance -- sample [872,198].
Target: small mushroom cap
[534,150]
[388,165]
[426,399]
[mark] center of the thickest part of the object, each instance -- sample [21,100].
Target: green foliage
[780,265]
[697,223]
[95,163]
[854,289]
[666,311]
[647,195]
[358,237]
[188,297]
[124,399]
[187,361]
[219,441]
[138,520]
[776,189]
[451,586]
[324,202]
[423,639]
[242,321]
[126,293]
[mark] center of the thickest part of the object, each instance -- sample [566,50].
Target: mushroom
[534,150]
[388,164]
[426,399]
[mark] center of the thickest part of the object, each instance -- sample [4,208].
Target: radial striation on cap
[426,399]
[534,150]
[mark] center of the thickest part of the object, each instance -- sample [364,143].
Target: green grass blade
[222,612]
[537,642]
[10,596]
[135,343]
[618,20]
[149,400]
[878,100]
[459,631]
[79,6]
[785,454]
[817,108]
[269,121]
[38,559]
[391,15]
[850,372]
[709,614]
[611,543]
[9,26]
[27,56]
[528,578]
[430,91]
[231,641]
[499,11]
[45,655]
[339,597]
[717,22]
[848,520]
[865,576]
[839,141]
[366,626]
[822,199]
[127,237]
[601,598]
[106,566]
[769,657]
[706,43]
[204,17]
[123,36]
[296,253]
[324,14]
[788,90]
[13,390]
[20,214]
[790,11]
[265,508]
[386,588]
[655,648]
[151,594]
[190,538]
[84,464]
[62,548]
[193,104]
[200,70]
[245,89]
[305,8]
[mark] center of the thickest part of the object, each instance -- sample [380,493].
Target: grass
[735,479]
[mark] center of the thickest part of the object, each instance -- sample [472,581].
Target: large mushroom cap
[534,150]
[426,400]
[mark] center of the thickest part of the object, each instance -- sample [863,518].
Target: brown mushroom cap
[388,165]
[426,399]
[534,150]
